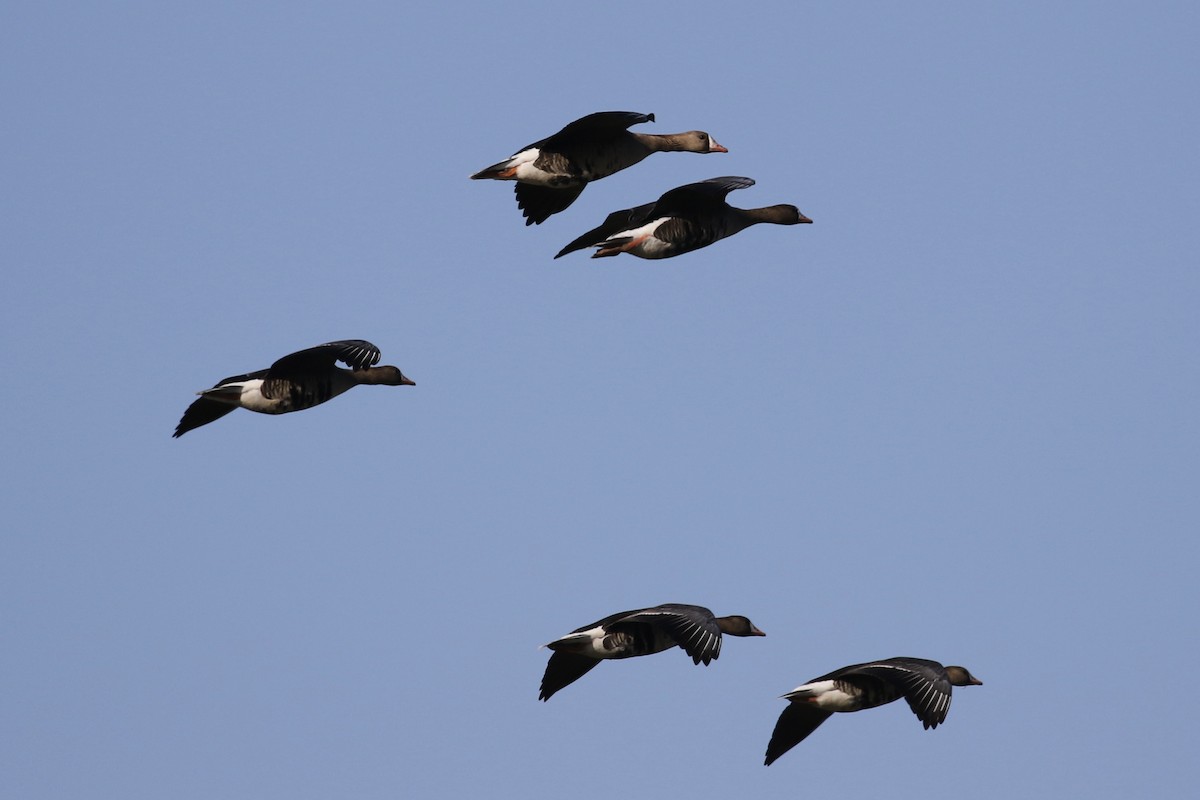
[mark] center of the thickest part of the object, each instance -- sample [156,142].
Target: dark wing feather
[922,682]
[204,411]
[698,198]
[615,222]
[562,670]
[201,412]
[539,203]
[354,353]
[249,376]
[604,623]
[796,722]
[593,126]
[692,627]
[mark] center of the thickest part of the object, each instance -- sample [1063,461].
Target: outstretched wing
[594,126]
[354,353]
[698,198]
[204,410]
[693,628]
[796,722]
[201,412]
[562,670]
[539,203]
[923,683]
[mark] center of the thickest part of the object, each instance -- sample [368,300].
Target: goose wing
[298,371]
[565,667]
[602,124]
[354,353]
[698,198]
[539,203]
[562,670]
[923,684]
[796,722]
[693,628]
[204,410]
[201,412]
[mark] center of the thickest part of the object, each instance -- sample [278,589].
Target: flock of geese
[924,684]
[550,174]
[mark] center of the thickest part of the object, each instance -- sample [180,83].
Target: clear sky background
[955,418]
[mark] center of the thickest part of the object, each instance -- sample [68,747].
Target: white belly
[826,696]
[252,398]
[245,394]
[645,244]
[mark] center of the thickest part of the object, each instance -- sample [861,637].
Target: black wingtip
[774,751]
[539,203]
[571,248]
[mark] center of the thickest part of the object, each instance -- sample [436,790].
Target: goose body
[684,219]
[293,383]
[925,685]
[552,172]
[640,632]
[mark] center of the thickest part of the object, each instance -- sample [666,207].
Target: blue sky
[955,418]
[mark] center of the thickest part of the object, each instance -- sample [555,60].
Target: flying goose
[551,173]
[640,633]
[293,383]
[924,684]
[685,218]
